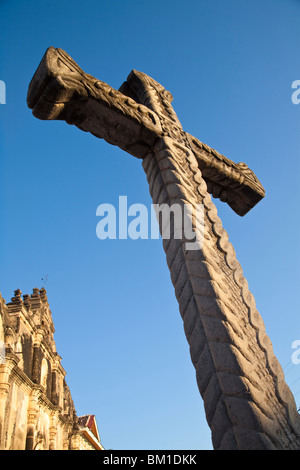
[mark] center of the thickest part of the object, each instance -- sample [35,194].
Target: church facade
[36,407]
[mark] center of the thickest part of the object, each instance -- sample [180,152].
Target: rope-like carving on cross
[247,402]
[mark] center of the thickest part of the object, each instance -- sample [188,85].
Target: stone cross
[247,402]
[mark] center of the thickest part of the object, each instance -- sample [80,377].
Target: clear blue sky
[229,65]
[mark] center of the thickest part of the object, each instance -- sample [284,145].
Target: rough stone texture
[248,404]
[36,407]
[133,121]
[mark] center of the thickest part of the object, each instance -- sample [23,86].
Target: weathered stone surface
[61,90]
[228,343]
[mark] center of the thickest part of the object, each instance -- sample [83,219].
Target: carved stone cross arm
[60,89]
[248,405]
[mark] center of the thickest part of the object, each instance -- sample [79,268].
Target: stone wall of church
[36,407]
[83,444]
